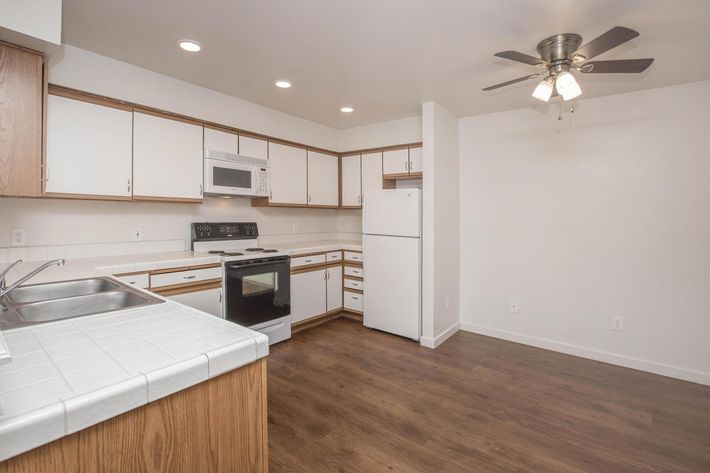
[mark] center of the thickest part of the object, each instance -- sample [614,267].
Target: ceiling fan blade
[511,82]
[609,40]
[521,57]
[618,66]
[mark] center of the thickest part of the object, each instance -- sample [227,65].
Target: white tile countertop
[66,376]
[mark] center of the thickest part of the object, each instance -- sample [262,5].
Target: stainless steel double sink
[39,303]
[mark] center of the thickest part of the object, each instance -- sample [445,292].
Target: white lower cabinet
[353,301]
[334,288]
[209,300]
[308,295]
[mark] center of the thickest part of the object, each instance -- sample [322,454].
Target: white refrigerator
[392,261]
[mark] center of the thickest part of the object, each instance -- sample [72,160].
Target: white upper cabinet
[253,147]
[322,179]
[415,160]
[88,148]
[167,158]
[216,140]
[288,174]
[351,190]
[334,288]
[395,162]
[371,172]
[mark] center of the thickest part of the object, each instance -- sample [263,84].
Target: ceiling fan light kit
[561,55]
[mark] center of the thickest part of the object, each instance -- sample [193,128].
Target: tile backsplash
[89,250]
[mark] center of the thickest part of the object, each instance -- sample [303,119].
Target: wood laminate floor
[343,398]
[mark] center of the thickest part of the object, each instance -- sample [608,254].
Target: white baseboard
[592,354]
[441,338]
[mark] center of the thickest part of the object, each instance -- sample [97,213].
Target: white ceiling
[384,57]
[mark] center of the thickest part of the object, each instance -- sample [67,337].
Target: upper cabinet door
[351,190]
[20,122]
[415,160]
[253,147]
[322,179]
[167,158]
[221,141]
[287,172]
[89,148]
[395,162]
[371,172]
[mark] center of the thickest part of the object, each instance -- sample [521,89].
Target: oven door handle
[251,265]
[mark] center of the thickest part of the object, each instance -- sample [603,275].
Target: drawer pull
[308,260]
[355,298]
[189,277]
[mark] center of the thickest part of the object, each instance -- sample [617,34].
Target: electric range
[256,281]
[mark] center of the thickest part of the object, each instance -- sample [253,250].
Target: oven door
[229,178]
[257,291]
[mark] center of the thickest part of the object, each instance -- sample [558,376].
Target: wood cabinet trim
[309,268]
[352,264]
[316,320]
[88,98]
[187,288]
[317,253]
[61,195]
[179,269]
[132,273]
[349,289]
[180,200]
[382,149]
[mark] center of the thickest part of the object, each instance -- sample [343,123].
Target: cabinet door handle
[189,277]
[129,186]
[220,296]
[309,197]
[200,189]
[271,195]
[46,177]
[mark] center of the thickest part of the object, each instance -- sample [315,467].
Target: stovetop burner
[271,250]
[254,249]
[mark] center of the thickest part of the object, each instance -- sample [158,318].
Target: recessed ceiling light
[283,84]
[347,109]
[189,45]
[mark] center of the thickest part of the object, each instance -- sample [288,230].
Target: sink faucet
[4,289]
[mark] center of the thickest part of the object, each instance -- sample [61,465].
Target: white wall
[395,132]
[41,19]
[440,258]
[580,221]
[87,71]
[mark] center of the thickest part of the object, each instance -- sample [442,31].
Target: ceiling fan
[561,54]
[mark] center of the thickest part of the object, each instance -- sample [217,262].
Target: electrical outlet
[447,303]
[18,237]
[617,323]
[137,234]
[514,307]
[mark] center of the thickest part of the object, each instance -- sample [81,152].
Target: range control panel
[224,231]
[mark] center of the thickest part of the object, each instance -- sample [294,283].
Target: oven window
[259,284]
[231,177]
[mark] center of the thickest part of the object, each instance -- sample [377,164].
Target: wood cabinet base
[216,426]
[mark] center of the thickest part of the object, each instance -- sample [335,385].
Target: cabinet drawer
[307,260]
[185,277]
[137,280]
[353,256]
[352,301]
[334,256]
[357,272]
[353,284]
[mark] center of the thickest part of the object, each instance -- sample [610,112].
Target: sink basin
[40,303]
[61,290]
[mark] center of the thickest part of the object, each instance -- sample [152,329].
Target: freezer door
[392,212]
[392,267]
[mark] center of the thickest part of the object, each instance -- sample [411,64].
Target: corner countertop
[68,375]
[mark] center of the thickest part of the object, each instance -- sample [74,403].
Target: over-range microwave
[232,174]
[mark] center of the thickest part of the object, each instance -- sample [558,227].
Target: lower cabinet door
[308,295]
[209,301]
[334,279]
